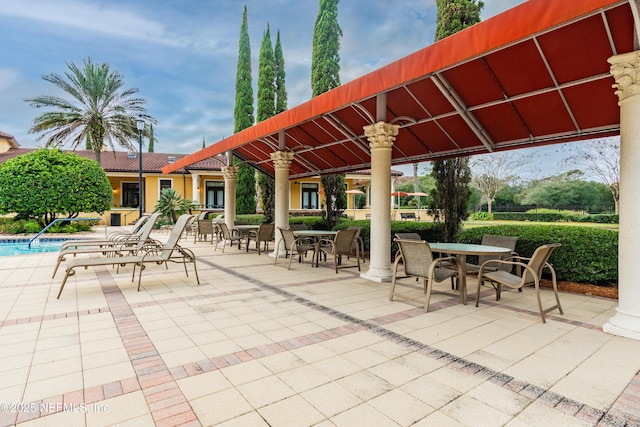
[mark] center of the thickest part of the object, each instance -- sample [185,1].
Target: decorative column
[230,174]
[381,136]
[195,188]
[281,163]
[626,71]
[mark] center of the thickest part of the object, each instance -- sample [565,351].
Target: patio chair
[419,262]
[532,271]
[298,227]
[130,245]
[292,244]
[264,235]
[169,252]
[342,244]
[110,239]
[358,243]
[508,242]
[405,236]
[204,228]
[225,235]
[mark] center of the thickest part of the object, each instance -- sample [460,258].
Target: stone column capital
[381,135]
[230,172]
[282,159]
[625,69]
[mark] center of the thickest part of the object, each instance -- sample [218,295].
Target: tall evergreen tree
[243,118]
[453,176]
[266,109]
[325,58]
[325,75]
[281,90]
[152,139]
[266,79]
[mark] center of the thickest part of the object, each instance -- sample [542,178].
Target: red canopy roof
[535,74]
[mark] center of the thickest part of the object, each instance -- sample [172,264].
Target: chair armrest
[503,262]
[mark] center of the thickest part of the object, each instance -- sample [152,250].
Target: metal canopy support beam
[448,92]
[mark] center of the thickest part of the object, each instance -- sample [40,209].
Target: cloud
[78,15]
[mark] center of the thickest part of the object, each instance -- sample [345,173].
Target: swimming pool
[11,247]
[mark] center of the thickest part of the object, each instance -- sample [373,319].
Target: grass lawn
[473,224]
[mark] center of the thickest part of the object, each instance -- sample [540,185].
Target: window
[309,196]
[165,184]
[130,194]
[214,195]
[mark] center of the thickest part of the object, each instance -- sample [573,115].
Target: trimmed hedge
[429,231]
[556,217]
[588,255]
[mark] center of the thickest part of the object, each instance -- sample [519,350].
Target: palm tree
[171,205]
[98,113]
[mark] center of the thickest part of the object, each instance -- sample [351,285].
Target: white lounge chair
[169,252]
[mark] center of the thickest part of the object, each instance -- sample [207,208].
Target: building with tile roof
[202,182]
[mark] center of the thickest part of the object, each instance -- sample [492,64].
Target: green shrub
[588,255]
[547,215]
[481,216]
[251,218]
[429,231]
[13,227]
[600,218]
[31,227]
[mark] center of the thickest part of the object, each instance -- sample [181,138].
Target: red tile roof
[119,161]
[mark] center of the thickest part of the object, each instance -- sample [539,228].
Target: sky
[182,56]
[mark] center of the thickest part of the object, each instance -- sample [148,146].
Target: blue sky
[182,54]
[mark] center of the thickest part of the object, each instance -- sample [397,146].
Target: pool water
[11,247]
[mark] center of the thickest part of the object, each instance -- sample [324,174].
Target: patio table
[243,230]
[316,235]
[461,250]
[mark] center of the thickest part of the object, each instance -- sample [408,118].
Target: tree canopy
[453,175]
[325,75]
[601,158]
[243,118]
[45,183]
[99,111]
[325,58]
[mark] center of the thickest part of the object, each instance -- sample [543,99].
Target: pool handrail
[60,220]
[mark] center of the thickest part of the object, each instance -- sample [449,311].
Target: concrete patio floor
[258,345]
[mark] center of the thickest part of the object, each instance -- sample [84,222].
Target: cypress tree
[266,109]
[325,58]
[325,75]
[152,139]
[243,118]
[281,90]
[453,176]
[266,79]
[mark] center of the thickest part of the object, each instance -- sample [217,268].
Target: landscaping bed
[584,288]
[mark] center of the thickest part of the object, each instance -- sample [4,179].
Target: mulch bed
[584,288]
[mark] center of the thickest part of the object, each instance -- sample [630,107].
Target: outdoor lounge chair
[342,244]
[169,252]
[115,237]
[532,271]
[419,262]
[264,235]
[118,248]
[299,245]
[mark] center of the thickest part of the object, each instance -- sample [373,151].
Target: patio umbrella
[418,194]
[354,192]
[399,194]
